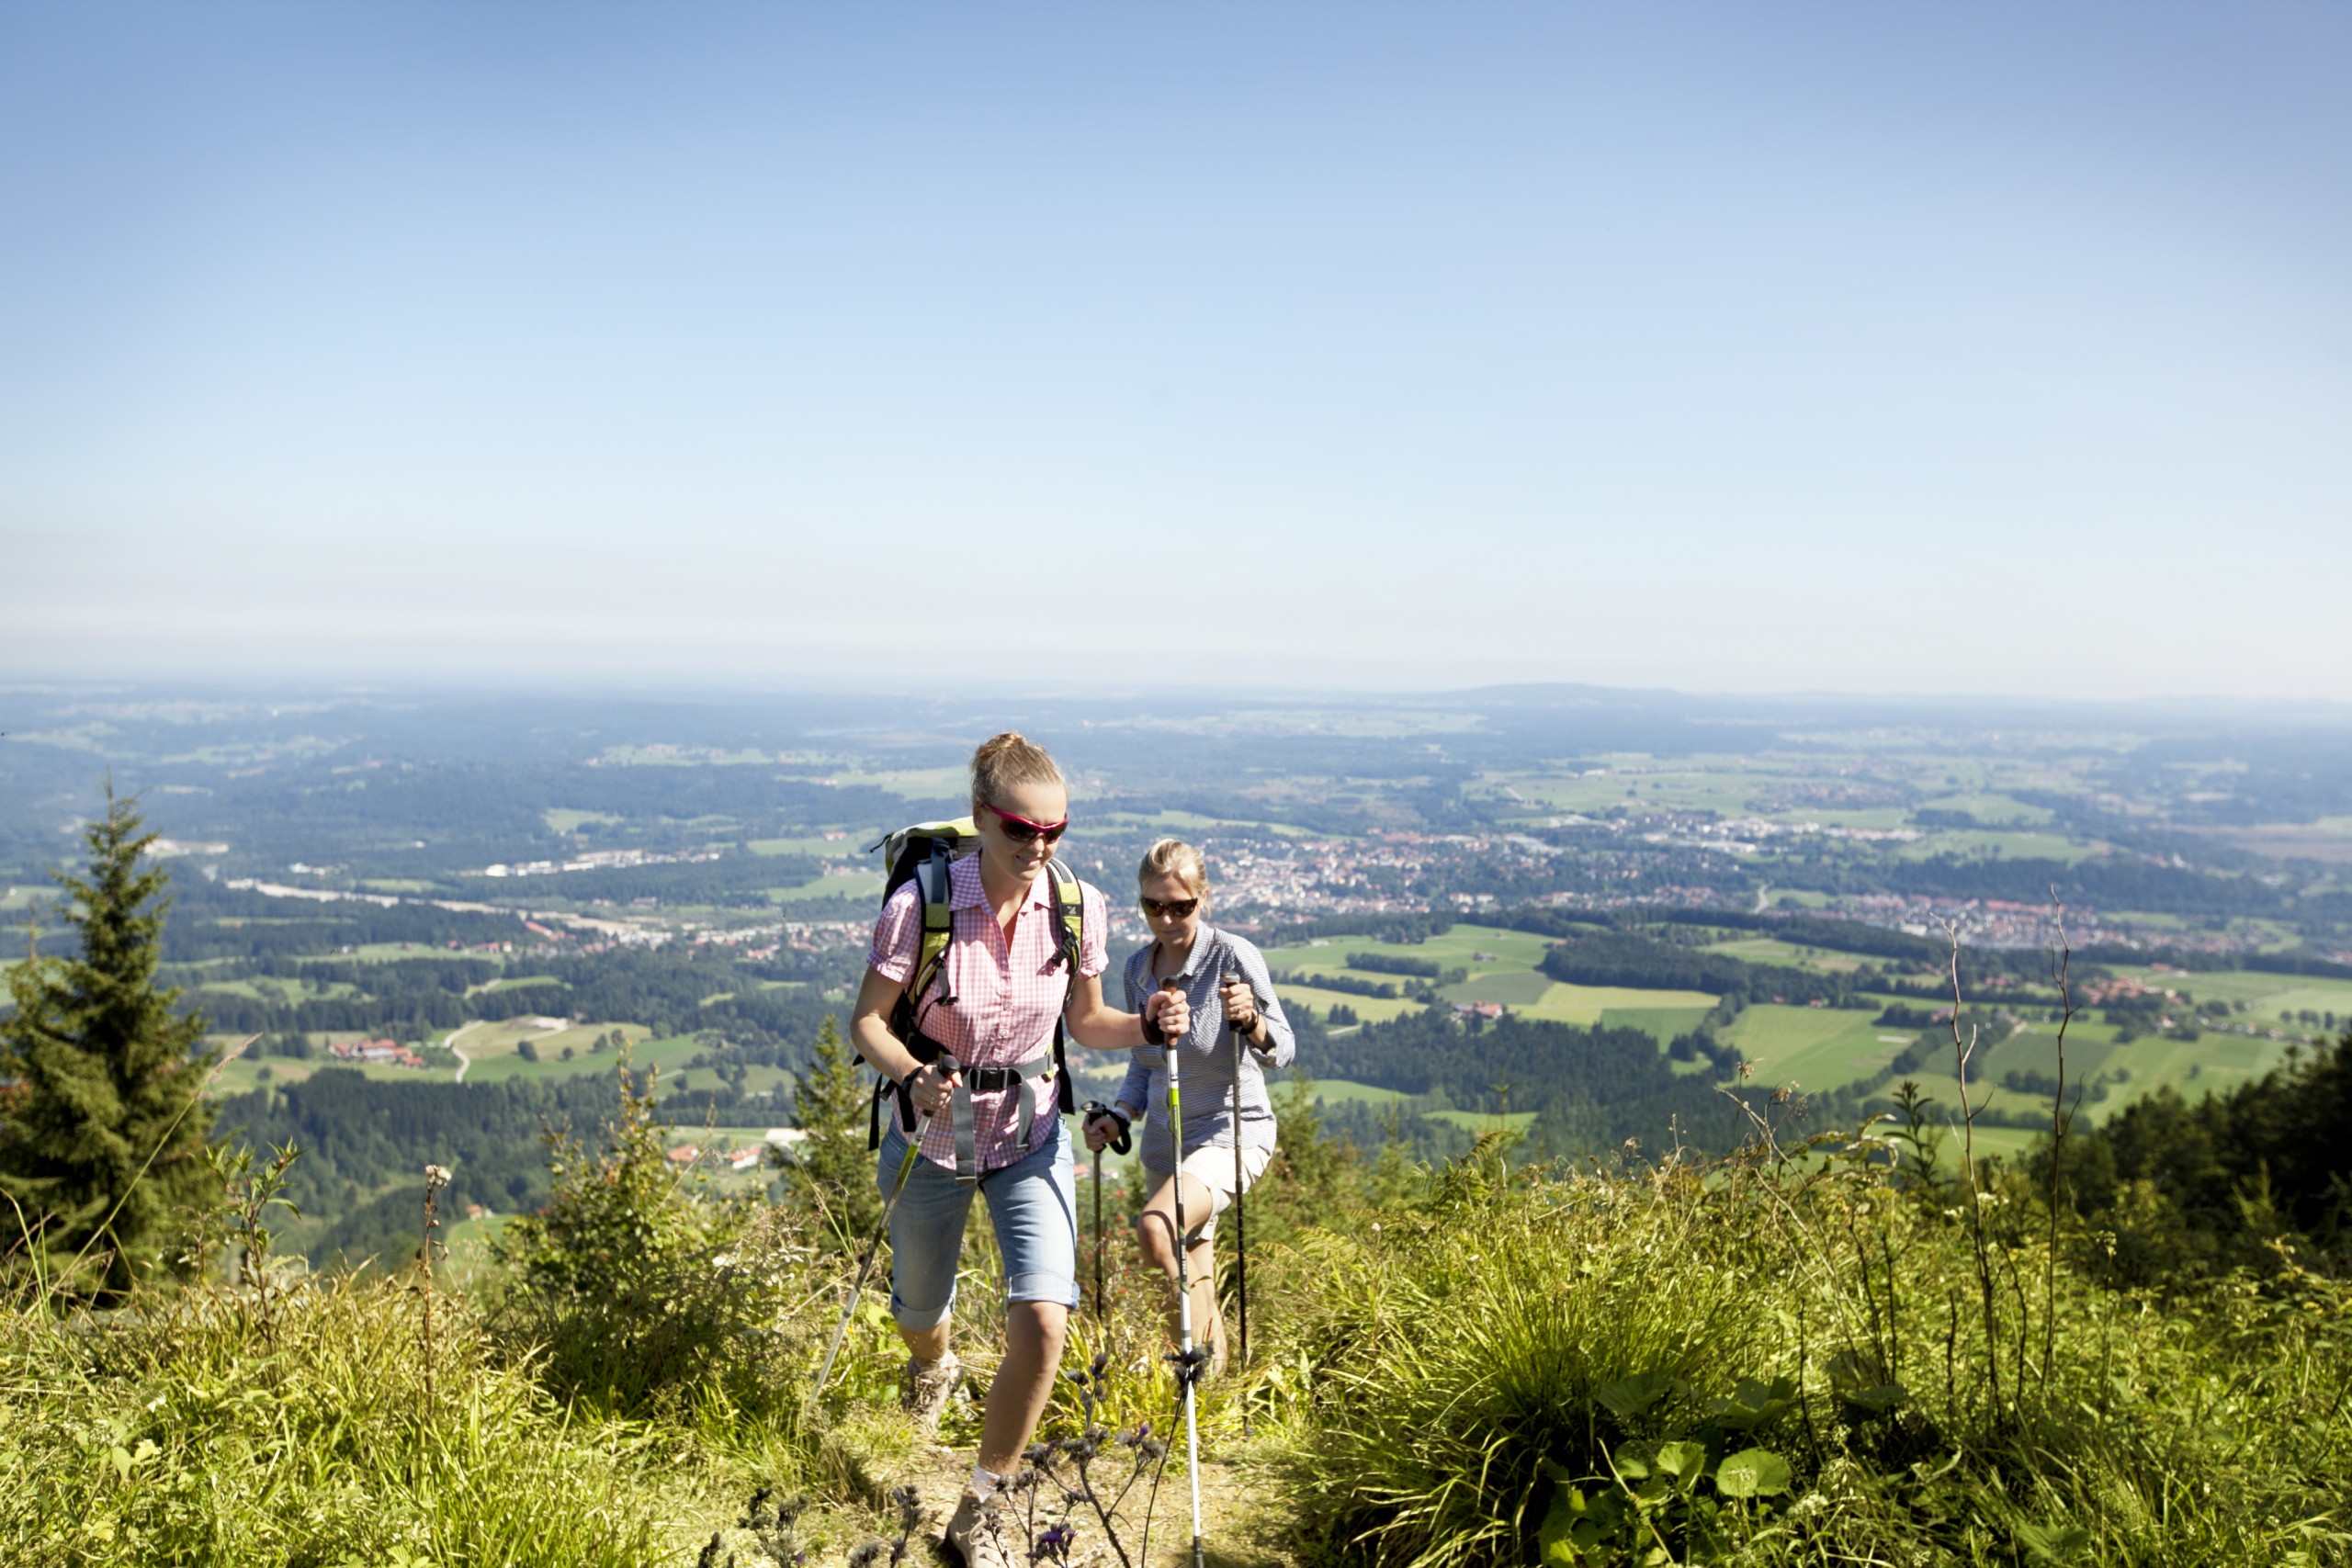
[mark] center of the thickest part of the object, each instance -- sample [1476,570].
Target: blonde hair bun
[1004,761]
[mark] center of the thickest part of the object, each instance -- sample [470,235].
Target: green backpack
[922,855]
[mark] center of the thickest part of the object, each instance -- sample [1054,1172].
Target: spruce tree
[102,1145]
[830,1173]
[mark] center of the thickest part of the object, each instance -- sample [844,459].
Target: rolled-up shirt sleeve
[897,936]
[1134,1089]
[1282,1045]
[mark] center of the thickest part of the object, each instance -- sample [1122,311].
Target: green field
[1564,1003]
[854,885]
[824,846]
[2270,998]
[1994,844]
[1772,950]
[283,989]
[1372,1009]
[1485,1120]
[1502,965]
[1814,1048]
[490,1049]
[1991,809]
[564,819]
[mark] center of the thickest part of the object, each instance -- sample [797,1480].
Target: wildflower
[436,1176]
[1054,1544]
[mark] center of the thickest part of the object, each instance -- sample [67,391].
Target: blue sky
[1924,347]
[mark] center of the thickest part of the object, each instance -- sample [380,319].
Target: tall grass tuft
[1783,1361]
[174,1432]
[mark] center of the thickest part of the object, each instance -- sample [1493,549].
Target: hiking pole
[1119,1145]
[866,1265]
[1240,1224]
[1188,1361]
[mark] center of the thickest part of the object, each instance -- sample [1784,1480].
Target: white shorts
[1212,1169]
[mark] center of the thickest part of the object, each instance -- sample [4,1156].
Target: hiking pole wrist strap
[1119,1143]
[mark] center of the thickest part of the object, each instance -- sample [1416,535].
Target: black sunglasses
[1174,909]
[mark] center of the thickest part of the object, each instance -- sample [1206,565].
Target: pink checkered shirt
[1006,998]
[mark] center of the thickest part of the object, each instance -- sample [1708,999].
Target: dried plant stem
[436,1179]
[1964,1050]
[2060,1119]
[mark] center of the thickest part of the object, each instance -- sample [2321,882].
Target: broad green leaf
[1556,1536]
[1752,1472]
[2053,1543]
[1628,1397]
[1685,1462]
[1753,1403]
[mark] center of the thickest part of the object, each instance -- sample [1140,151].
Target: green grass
[2268,996]
[1789,955]
[850,845]
[1370,1009]
[1512,988]
[1588,1004]
[1490,1366]
[859,885]
[1518,1122]
[1502,969]
[1664,1023]
[1814,1048]
[1991,808]
[492,1049]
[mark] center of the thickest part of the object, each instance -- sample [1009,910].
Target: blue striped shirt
[1205,1056]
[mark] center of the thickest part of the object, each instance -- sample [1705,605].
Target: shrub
[636,1284]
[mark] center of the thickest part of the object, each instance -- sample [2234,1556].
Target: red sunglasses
[1021,830]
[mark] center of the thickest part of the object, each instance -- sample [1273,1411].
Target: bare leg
[927,1345]
[1024,1379]
[1156,1230]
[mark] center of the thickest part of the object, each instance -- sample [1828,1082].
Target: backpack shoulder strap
[931,886]
[1070,913]
[1069,916]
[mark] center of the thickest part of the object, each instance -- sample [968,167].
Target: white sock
[985,1482]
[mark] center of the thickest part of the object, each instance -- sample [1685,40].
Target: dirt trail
[1235,1531]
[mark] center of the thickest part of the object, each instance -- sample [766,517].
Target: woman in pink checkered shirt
[999,993]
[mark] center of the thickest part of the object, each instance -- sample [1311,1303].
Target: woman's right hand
[930,1087]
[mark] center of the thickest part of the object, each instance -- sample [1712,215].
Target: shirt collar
[964,892]
[1204,946]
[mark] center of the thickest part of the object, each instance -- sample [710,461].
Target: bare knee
[1046,1324]
[1156,1234]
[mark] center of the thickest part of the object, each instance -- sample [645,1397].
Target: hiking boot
[977,1534]
[929,1386]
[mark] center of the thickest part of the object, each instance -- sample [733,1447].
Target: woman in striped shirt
[1225,980]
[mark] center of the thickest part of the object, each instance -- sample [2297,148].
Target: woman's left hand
[1241,1006]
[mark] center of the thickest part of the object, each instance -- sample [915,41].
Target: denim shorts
[1032,1203]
